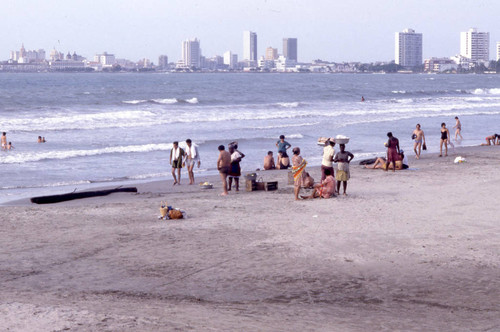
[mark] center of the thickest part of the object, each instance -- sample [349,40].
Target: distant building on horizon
[230,59]
[105,59]
[191,53]
[249,46]
[498,51]
[24,56]
[290,48]
[408,48]
[271,53]
[475,45]
[163,62]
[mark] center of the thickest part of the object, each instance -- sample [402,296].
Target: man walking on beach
[419,137]
[328,154]
[176,156]
[192,158]
[458,127]
[282,145]
[223,165]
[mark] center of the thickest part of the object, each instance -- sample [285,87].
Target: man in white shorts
[192,158]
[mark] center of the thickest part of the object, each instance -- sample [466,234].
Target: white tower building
[475,45]
[408,48]
[191,53]
[249,45]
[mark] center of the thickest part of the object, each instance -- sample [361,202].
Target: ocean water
[117,128]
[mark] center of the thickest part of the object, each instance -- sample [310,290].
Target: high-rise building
[249,46]
[498,51]
[475,45]
[408,48]
[230,59]
[163,62]
[191,53]
[290,48]
[271,53]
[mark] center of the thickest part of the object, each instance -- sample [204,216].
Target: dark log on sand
[84,194]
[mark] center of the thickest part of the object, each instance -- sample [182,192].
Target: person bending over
[492,140]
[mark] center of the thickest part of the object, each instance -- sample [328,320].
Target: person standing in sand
[343,158]
[327,162]
[176,156]
[392,151]
[298,167]
[235,169]
[419,137]
[269,161]
[192,158]
[4,140]
[445,136]
[458,128]
[223,165]
[282,145]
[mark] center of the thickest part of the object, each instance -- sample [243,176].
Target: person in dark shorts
[223,165]
[235,169]
[176,156]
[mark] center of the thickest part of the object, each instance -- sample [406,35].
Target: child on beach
[342,158]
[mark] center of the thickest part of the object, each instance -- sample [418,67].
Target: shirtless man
[269,161]
[223,165]
[458,128]
[419,138]
[4,141]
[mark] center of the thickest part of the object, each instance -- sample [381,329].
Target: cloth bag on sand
[175,214]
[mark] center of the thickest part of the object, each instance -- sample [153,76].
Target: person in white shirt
[192,157]
[235,170]
[327,162]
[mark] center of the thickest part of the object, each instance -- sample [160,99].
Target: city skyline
[353,31]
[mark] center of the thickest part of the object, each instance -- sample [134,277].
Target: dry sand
[411,250]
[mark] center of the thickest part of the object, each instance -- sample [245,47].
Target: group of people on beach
[180,158]
[228,165]
[5,145]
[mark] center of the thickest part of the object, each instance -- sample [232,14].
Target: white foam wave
[398,91]
[287,125]
[134,102]
[494,91]
[67,154]
[192,100]
[289,105]
[165,101]
[295,136]
[47,185]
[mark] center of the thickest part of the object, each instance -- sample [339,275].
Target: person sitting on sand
[283,161]
[235,169]
[381,163]
[342,158]
[299,165]
[492,140]
[419,137]
[223,165]
[308,181]
[176,155]
[325,189]
[269,161]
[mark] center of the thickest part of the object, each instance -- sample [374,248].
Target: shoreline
[165,185]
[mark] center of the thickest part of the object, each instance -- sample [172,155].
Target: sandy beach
[414,250]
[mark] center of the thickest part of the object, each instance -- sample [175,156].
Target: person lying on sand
[492,140]
[325,189]
[380,163]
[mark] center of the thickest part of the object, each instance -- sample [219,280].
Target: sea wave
[48,185]
[289,105]
[20,158]
[162,101]
[493,91]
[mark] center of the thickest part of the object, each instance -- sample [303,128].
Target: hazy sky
[355,30]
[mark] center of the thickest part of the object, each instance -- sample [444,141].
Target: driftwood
[84,194]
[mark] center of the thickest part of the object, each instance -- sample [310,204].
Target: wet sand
[411,250]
